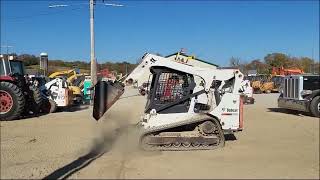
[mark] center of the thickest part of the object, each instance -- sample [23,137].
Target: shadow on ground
[289,111]
[76,108]
[100,147]
[27,116]
[230,137]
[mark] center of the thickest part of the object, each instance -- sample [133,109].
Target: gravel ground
[274,144]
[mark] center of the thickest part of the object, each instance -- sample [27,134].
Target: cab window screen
[171,87]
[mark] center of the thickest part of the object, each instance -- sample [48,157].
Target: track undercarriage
[201,135]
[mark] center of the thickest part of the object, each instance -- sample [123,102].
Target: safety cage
[169,88]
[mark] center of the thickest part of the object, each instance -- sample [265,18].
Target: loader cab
[168,87]
[10,67]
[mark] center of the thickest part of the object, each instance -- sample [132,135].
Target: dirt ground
[274,144]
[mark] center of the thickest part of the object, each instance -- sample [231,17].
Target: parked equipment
[302,93]
[18,95]
[65,73]
[260,83]
[144,88]
[86,89]
[286,71]
[59,94]
[77,80]
[74,81]
[247,91]
[188,108]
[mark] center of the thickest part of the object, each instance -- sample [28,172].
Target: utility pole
[6,46]
[313,62]
[93,62]
[126,68]
[93,71]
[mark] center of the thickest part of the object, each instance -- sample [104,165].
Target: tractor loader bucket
[106,93]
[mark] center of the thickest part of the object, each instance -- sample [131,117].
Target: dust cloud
[118,129]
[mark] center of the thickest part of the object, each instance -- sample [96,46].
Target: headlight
[306,92]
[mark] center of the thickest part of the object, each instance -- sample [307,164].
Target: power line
[53,6]
[17,19]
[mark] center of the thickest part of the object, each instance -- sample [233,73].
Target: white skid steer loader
[188,108]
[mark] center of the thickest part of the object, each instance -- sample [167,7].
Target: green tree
[277,60]
[28,59]
[307,64]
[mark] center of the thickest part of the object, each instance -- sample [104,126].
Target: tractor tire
[12,101]
[315,106]
[48,106]
[53,106]
[251,100]
[37,100]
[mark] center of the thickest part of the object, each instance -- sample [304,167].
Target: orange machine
[282,71]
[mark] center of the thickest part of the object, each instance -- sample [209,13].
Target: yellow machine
[266,83]
[76,82]
[77,79]
[71,75]
[63,73]
[261,84]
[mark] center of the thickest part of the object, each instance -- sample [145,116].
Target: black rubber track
[181,148]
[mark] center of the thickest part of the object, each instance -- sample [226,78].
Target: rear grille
[291,88]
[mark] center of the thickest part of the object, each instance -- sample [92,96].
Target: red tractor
[18,95]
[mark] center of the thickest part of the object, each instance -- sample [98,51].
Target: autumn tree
[256,64]
[307,64]
[276,60]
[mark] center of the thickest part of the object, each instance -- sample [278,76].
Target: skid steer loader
[188,108]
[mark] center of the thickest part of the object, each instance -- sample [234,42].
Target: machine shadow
[59,110]
[230,137]
[73,167]
[289,111]
[96,152]
[27,116]
[76,108]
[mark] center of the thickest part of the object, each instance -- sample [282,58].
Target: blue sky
[212,30]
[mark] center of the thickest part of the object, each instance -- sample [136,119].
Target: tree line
[278,60]
[30,61]
[264,66]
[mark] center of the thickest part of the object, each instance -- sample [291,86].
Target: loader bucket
[106,93]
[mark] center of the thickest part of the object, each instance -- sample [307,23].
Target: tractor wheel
[315,106]
[12,101]
[49,106]
[53,106]
[37,99]
[251,100]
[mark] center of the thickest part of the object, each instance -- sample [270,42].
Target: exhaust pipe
[106,93]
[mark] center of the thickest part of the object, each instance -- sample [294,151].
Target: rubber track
[20,98]
[201,118]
